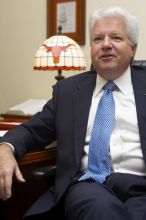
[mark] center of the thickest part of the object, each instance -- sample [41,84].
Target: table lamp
[59,52]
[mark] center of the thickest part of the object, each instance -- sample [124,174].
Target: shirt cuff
[9,145]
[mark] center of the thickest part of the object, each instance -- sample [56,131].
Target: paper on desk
[2,133]
[9,123]
[28,108]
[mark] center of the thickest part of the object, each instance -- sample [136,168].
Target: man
[69,117]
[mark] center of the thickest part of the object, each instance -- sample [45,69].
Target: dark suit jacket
[65,118]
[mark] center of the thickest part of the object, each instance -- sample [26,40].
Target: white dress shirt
[125,147]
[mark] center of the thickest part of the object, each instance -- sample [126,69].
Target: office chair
[139,63]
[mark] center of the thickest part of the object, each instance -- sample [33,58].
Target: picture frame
[70,14]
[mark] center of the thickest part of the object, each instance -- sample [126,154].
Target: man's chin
[106,65]
[108,72]
[107,68]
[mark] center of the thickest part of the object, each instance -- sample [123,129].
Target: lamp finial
[59,30]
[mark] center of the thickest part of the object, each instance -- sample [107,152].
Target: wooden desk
[13,117]
[10,123]
[24,194]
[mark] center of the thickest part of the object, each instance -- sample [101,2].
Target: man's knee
[87,198]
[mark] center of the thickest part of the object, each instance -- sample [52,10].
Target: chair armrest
[45,172]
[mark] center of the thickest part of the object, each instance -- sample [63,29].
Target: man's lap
[120,197]
[111,199]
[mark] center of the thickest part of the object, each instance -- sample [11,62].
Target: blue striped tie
[98,161]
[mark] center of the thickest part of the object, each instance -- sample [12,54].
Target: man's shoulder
[79,77]
[138,73]
[138,69]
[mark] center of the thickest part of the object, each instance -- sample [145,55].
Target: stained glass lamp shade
[59,52]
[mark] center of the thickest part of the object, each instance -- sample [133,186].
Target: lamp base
[59,76]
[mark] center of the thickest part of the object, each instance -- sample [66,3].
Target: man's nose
[106,42]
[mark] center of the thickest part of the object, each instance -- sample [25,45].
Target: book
[27,108]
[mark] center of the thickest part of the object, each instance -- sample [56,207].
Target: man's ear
[134,48]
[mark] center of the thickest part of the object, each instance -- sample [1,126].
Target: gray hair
[132,29]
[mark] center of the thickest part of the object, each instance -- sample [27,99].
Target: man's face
[111,50]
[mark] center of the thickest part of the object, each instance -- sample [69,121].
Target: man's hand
[8,168]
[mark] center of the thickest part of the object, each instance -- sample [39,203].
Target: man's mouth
[107,56]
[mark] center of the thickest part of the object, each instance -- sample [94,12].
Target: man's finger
[2,191]
[19,175]
[8,184]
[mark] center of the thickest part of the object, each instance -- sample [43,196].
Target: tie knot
[110,86]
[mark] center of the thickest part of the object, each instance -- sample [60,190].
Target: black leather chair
[139,62]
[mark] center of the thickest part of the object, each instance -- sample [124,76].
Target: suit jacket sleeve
[35,134]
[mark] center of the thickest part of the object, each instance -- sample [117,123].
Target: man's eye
[117,38]
[97,39]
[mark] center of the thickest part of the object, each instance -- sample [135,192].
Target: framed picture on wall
[70,15]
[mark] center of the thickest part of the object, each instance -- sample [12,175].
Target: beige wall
[23,29]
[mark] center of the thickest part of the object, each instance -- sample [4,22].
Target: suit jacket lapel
[139,86]
[81,104]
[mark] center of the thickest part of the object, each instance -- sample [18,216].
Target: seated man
[99,121]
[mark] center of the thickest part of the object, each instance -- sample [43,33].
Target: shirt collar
[124,83]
